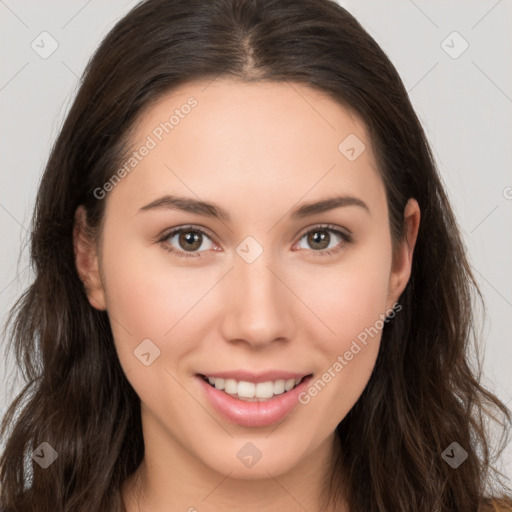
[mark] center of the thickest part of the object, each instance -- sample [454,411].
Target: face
[256,288]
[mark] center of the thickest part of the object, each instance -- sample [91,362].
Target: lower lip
[254,414]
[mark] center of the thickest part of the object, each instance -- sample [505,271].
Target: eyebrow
[207,209]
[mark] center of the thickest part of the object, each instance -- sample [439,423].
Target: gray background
[464,103]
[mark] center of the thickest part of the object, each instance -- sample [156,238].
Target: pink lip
[253,414]
[249,376]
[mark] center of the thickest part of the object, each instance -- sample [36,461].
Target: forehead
[269,140]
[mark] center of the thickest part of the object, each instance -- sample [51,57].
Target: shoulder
[496,505]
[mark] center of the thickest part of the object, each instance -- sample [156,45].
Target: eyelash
[347,239]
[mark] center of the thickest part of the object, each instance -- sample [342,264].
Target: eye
[186,241]
[322,241]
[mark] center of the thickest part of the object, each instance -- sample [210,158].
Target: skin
[258,150]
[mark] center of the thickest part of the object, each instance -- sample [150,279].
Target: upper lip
[250,376]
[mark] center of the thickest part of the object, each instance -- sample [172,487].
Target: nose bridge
[258,311]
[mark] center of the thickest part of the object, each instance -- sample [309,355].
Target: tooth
[250,391]
[249,399]
[246,389]
[279,387]
[231,386]
[264,389]
[289,384]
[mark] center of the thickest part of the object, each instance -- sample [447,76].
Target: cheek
[348,297]
[350,300]
[151,300]
[147,298]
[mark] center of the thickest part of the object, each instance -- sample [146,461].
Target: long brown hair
[424,393]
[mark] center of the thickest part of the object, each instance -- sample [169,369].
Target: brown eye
[324,240]
[318,239]
[190,240]
[187,242]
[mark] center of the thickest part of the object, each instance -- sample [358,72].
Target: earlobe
[402,259]
[87,261]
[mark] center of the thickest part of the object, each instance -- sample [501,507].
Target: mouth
[247,391]
[257,401]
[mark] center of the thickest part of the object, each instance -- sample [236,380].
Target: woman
[250,291]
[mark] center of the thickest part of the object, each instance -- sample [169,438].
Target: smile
[253,404]
[252,391]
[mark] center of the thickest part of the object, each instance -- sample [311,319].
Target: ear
[87,261]
[402,257]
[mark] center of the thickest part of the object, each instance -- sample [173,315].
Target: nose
[258,307]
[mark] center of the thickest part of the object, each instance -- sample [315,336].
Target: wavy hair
[425,390]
